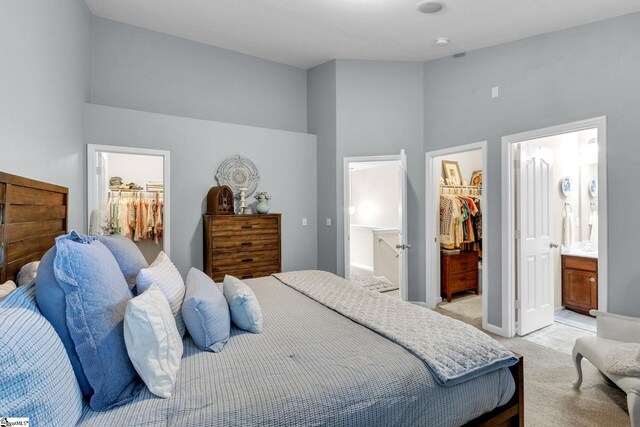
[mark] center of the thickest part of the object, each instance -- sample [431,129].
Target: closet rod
[138,192]
[474,187]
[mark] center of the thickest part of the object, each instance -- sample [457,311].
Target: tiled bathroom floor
[558,337]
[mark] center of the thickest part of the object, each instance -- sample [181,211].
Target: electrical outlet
[495,92]
[304,221]
[328,222]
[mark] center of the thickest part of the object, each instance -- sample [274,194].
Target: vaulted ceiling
[305,33]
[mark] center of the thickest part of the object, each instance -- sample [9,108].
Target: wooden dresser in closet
[244,246]
[459,272]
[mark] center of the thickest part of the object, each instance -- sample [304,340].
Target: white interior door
[404,241]
[535,262]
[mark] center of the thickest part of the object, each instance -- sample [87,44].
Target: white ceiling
[305,33]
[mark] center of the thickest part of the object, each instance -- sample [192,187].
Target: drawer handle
[248,276]
[247,243]
[247,260]
[247,226]
[591,279]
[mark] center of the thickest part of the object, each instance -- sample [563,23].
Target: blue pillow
[96,297]
[37,378]
[243,304]
[128,256]
[50,298]
[205,312]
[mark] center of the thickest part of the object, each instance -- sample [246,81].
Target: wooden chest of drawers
[458,273]
[579,283]
[244,246]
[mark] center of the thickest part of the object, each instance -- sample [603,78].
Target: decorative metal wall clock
[239,172]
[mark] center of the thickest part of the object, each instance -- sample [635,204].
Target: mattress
[311,366]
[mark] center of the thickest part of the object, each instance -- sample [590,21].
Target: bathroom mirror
[128,194]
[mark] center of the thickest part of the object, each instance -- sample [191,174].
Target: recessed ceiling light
[429,6]
[442,41]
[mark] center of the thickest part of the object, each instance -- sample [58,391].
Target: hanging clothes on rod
[136,215]
[460,218]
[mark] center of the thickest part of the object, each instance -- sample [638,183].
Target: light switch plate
[328,222]
[304,221]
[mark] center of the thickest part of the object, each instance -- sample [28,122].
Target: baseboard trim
[362,266]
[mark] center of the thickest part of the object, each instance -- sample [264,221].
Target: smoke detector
[429,6]
[442,41]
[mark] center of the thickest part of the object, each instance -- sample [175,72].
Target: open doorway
[554,196]
[128,195]
[456,220]
[375,223]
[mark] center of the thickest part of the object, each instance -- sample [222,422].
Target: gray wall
[145,70]
[547,80]
[44,83]
[286,162]
[367,108]
[321,111]
[379,112]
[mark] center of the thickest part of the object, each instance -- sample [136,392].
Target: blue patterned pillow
[128,256]
[96,296]
[50,298]
[37,378]
[205,312]
[243,304]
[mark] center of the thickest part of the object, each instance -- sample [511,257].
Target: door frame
[509,219]
[432,227]
[404,288]
[92,183]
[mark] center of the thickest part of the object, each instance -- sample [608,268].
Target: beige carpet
[470,307]
[549,397]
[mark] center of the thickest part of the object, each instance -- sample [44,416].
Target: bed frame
[32,215]
[511,414]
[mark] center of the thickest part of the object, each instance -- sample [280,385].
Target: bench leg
[633,404]
[577,361]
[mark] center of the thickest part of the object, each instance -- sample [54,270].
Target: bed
[310,366]
[32,215]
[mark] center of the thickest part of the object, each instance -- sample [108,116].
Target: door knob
[553,245]
[591,279]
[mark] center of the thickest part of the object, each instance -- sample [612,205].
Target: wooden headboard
[32,215]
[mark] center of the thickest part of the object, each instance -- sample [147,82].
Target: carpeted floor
[469,306]
[367,280]
[550,399]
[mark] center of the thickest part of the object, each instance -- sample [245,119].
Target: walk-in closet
[460,202]
[129,199]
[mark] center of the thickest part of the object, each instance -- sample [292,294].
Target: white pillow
[6,288]
[153,342]
[163,273]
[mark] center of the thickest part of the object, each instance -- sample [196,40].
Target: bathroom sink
[587,251]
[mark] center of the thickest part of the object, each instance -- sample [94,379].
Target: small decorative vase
[263,206]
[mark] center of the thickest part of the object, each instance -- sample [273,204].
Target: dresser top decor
[238,172]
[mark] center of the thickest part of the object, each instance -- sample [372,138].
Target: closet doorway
[456,230]
[128,194]
[375,218]
[554,226]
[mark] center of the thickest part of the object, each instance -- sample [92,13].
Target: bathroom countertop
[580,252]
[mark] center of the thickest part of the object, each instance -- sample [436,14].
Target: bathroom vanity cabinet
[579,283]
